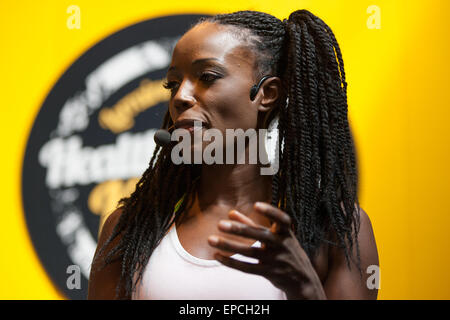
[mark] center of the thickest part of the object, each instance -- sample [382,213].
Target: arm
[103,281]
[342,283]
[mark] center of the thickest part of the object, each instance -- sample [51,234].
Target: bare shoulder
[365,234]
[109,225]
[366,239]
[103,279]
[347,283]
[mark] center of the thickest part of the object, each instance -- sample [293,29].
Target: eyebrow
[198,61]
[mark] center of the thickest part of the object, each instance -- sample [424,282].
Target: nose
[184,97]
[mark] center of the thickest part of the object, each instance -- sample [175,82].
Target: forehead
[210,40]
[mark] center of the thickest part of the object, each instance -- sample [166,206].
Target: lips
[190,124]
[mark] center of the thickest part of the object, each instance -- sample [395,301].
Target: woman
[296,234]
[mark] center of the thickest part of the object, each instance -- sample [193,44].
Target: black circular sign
[91,141]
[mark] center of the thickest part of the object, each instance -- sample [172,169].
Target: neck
[235,186]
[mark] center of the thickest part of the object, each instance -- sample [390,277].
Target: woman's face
[210,77]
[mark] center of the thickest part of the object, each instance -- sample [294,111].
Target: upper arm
[103,280]
[343,283]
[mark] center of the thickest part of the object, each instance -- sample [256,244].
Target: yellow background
[398,96]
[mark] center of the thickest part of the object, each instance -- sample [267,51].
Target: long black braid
[317,180]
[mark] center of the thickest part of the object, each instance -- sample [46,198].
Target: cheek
[171,113]
[231,108]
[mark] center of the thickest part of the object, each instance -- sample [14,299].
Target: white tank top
[174,274]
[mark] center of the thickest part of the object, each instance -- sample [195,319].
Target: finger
[237,216]
[233,246]
[254,268]
[281,218]
[259,233]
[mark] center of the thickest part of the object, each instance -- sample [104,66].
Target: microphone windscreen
[162,137]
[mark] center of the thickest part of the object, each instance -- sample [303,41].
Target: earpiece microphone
[254,90]
[163,136]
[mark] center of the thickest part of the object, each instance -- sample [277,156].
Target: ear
[268,94]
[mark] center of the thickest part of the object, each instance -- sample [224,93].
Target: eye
[170,85]
[209,77]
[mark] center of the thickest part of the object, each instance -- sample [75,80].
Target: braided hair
[316,183]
